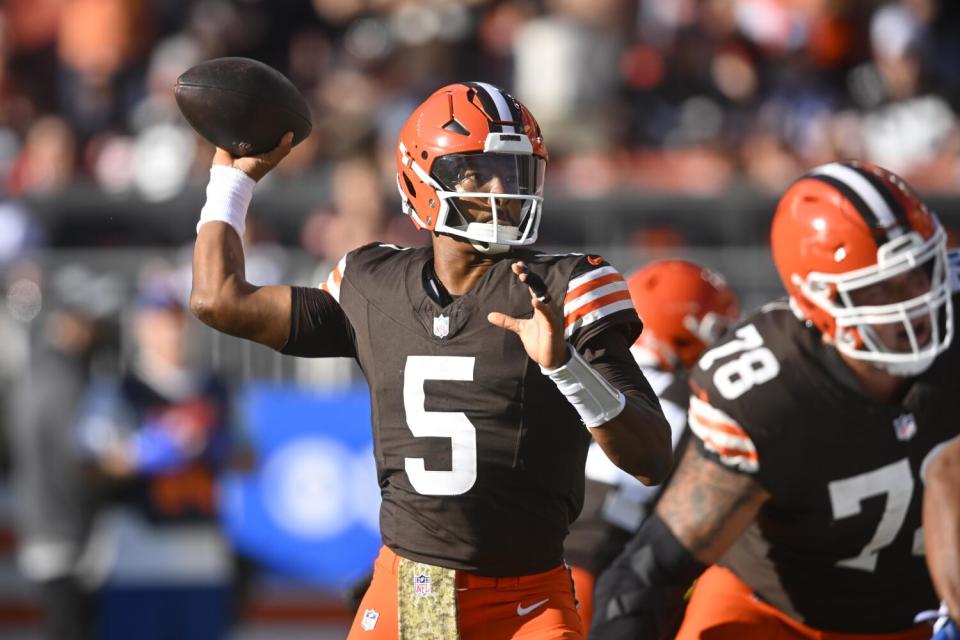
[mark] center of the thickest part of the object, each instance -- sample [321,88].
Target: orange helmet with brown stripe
[847,230]
[472,145]
[684,307]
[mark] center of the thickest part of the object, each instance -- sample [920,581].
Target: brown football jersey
[480,458]
[838,545]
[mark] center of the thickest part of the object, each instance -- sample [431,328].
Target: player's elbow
[662,465]
[207,306]
[640,445]
[657,467]
[657,460]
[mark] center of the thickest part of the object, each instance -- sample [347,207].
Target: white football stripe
[590,275]
[721,438]
[333,288]
[741,462]
[867,192]
[502,107]
[593,294]
[710,412]
[593,316]
[330,284]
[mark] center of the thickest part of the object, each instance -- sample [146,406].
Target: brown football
[242,105]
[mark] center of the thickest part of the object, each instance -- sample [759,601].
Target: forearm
[218,276]
[941,525]
[703,510]
[707,506]
[638,441]
[221,297]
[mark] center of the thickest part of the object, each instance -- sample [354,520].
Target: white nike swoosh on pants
[522,610]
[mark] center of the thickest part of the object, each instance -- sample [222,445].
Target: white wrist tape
[594,399]
[228,196]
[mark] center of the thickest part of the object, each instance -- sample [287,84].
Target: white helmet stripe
[867,192]
[503,109]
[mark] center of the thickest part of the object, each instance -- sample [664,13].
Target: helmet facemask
[858,326]
[492,198]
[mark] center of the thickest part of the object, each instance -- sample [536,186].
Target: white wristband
[594,399]
[228,196]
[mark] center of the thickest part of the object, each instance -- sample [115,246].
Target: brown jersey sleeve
[318,326]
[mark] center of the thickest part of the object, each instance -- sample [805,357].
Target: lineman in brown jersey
[485,360]
[813,421]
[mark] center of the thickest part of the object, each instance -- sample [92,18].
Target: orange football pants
[583,583]
[724,608]
[488,608]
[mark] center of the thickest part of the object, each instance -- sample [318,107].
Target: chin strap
[504,232]
[489,248]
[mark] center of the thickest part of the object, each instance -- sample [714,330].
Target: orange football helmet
[846,227]
[684,308]
[473,143]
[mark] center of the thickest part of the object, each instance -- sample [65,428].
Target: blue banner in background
[309,508]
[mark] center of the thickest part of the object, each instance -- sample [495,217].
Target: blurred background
[672,126]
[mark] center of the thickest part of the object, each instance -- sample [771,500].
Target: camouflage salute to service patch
[427,602]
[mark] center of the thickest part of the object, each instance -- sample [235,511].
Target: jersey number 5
[439,424]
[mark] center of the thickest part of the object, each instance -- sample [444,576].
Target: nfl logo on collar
[441,326]
[905,426]
[421,585]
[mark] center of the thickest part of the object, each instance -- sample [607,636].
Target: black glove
[641,595]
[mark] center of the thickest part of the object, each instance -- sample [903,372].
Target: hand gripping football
[242,105]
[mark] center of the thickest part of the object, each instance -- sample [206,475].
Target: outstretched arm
[941,525]
[638,440]
[703,510]
[708,506]
[221,296]
[631,430]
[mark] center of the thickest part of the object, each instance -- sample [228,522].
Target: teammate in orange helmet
[490,368]
[799,499]
[684,307]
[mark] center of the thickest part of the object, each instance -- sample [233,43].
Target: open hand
[256,166]
[542,334]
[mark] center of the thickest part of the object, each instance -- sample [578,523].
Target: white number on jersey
[755,366]
[896,482]
[443,424]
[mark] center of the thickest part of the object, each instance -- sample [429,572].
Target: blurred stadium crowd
[691,95]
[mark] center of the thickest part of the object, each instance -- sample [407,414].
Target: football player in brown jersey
[941,527]
[485,360]
[799,500]
[685,307]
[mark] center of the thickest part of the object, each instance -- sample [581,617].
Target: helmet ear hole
[409,185]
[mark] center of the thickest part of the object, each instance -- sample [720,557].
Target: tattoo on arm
[708,506]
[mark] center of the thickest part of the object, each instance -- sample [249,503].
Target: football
[242,105]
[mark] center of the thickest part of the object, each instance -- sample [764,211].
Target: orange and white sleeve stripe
[332,284]
[722,435]
[592,296]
